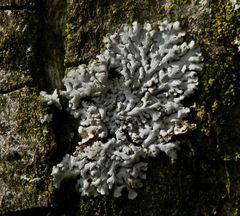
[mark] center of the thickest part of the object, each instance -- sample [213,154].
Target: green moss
[89,22]
[201,113]
[5,55]
[19,31]
[180,2]
[26,150]
[218,82]
[69,30]
[174,5]
[31,109]
[224,23]
[214,106]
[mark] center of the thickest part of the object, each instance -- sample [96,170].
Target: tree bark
[41,40]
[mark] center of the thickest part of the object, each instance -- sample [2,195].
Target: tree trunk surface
[41,40]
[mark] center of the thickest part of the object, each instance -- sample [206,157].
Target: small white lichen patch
[129,105]
[46,118]
[237,42]
[51,99]
[236,4]
[33,180]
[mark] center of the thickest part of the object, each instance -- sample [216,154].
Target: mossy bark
[25,143]
[204,180]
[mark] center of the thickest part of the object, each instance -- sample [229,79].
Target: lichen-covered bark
[23,3]
[16,46]
[204,180]
[24,142]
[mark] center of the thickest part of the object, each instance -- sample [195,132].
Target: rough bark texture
[24,142]
[40,40]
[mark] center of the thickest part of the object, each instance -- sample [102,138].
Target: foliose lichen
[236,4]
[129,105]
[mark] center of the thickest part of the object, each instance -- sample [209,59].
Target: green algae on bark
[17,41]
[24,144]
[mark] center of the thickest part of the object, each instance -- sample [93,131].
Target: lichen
[147,70]
[207,23]
[236,4]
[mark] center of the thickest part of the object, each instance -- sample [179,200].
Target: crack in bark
[17,7]
[16,88]
[38,211]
